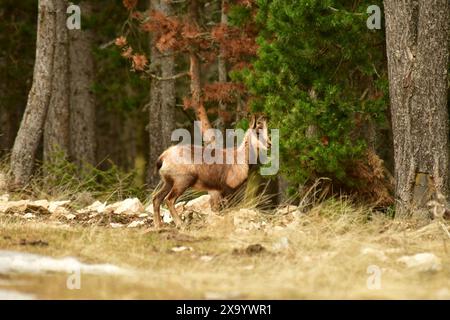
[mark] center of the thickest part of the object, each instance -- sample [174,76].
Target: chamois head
[259,134]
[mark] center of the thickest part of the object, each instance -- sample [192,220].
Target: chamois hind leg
[157,200]
[179,187]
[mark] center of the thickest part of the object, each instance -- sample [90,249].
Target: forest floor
[333,251]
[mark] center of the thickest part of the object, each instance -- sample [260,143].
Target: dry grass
[323,258]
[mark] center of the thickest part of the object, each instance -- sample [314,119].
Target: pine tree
[319,76]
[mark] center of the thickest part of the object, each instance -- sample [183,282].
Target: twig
[176,76]
[106,45]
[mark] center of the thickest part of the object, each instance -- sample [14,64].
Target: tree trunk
[417,34]
[30,131]
[168,99]
[196,84]
[56,131]
[162,100]
[222,68]
[82,100]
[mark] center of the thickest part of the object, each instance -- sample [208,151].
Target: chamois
[179,171]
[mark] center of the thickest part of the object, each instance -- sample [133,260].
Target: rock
[149,209]
[97,207]
[116,225]
[57,207]
[39,206]
[206,258]
[70,216]
[14,206]
[374,252]
[60,211]
[181,204]
[4,197]
[29,215]
[200,204]
[167,218]
[136,224]
[281,244]
[131,206]
[181,249]
[42,204]
[278,228]
[143,215]
[422,262]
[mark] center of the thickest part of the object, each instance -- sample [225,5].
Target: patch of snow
[22,262]
[15,295]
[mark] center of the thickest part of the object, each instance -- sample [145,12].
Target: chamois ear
[252,124]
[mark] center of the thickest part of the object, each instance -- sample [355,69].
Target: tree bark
[417,35]
[82,100]
[162,100]
[56,131]
[31,128]
[222,66]
[196,84]
[168,99]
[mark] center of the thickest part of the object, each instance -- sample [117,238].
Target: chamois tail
[159,164]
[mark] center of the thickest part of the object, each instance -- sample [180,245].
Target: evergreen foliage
[320,76]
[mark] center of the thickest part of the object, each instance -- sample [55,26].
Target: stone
[167,217]
[181,249]
[425,261]
[380,255]
[116,225]
[57,207]
[70,216]
[43,204]
[136,224]
[130,206]
[29,215]
[281,244]
[97,206]
[200,204]
[14,206]
[206,258]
